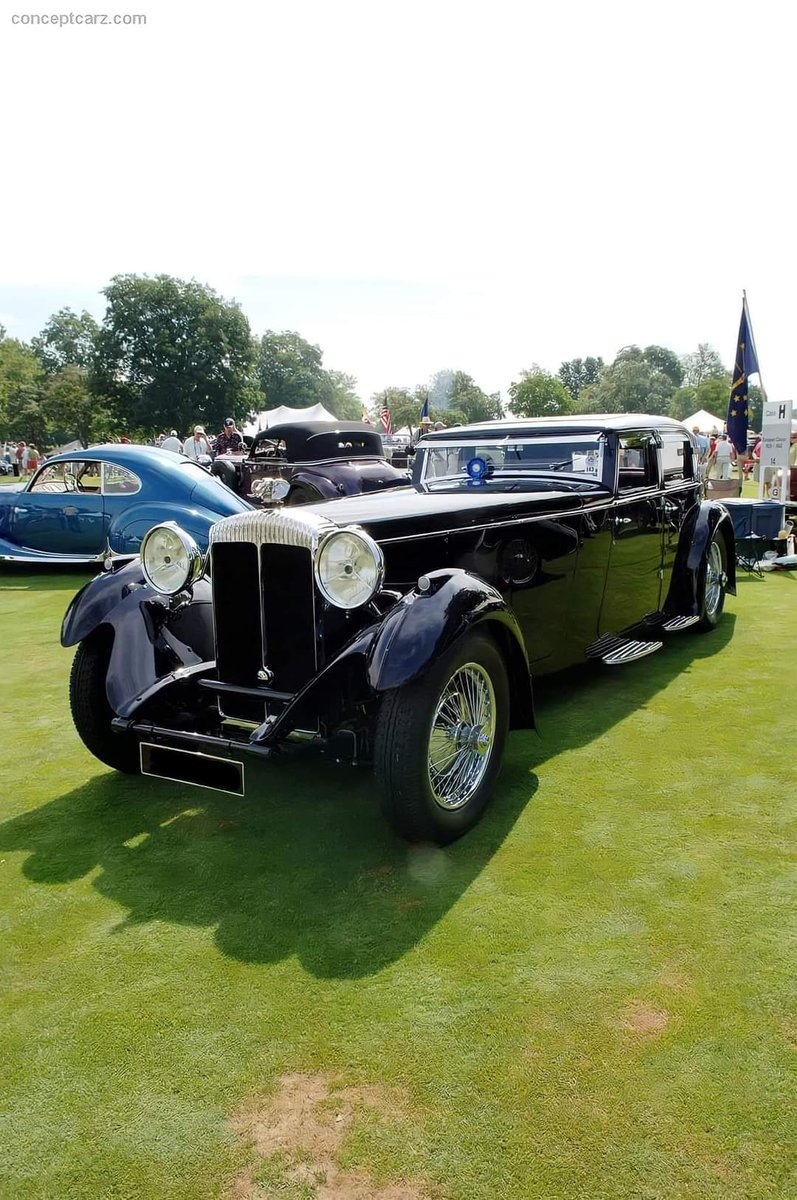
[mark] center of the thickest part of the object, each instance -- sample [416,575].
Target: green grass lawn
[591,995]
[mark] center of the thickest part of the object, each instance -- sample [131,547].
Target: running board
[676,624]
[617,651]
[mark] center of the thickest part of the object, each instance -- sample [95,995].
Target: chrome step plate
[630,651]
[676,624]
[615,650]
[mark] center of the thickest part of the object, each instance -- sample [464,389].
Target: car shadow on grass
[305,865]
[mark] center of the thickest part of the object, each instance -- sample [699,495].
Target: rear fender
[689,572]
[326,487]
[128,528]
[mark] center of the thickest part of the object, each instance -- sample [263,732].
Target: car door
[61,511]
[633,583]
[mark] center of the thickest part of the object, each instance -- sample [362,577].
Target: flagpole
[761,469]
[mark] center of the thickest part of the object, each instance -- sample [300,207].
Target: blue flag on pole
[425,410]
[746,365]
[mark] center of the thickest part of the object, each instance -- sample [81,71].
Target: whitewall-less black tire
[439,742]
[91,711]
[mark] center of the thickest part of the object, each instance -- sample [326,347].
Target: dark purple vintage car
[306,461]
[405,629]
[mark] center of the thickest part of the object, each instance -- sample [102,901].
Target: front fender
[400,647]
[424,624]
[153,635]
[689,572]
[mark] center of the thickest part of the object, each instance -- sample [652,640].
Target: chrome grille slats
[283,527]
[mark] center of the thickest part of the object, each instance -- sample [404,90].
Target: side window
[50,479]
[676,458]
[636,461]
[87,477]
[118,481]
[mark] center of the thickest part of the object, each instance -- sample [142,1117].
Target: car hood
[407,512]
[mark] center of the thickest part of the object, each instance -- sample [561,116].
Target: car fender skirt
[427,621]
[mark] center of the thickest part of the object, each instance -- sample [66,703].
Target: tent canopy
[278,416]
[705,421]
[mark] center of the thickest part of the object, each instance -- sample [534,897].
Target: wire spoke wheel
[462,736]
[439,741]
[715,580]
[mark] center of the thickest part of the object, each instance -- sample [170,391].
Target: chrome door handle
[623,521]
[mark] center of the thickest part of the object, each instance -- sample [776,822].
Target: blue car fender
[128,527]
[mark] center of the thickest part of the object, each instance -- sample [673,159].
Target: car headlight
[170,558]
[349,568]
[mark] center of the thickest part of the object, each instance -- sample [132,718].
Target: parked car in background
[307,461]
[404,629]
[96,505]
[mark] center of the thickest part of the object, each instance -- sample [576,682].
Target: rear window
[676,457]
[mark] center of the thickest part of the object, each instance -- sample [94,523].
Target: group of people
[718,452]
[20,458]
[715,452]
[199,446]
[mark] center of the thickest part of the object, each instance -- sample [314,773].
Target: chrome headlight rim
[194,556]
[373,548]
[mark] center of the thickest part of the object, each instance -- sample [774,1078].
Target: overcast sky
[414,186]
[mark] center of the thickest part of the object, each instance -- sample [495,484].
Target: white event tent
[706,422]
[283,414]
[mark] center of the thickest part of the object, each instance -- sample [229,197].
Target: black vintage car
[306,461]
[404,629]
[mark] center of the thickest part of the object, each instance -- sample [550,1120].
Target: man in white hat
[173,443]
[197,445]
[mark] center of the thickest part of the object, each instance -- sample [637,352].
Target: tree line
[171,352]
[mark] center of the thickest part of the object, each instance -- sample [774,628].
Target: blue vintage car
[97,504]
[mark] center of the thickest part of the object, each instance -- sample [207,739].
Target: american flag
[384,416]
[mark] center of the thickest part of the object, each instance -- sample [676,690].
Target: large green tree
[343,400]
[456,399]
[642,381]
[21,393]
[68,339]
[74,412]
[539,394]
[579,373]
[290,370]
[705,363]
[171,352]
[405,407]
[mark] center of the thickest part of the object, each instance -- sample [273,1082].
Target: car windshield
[507,460]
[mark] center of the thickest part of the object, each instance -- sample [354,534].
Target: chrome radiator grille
[278,527]
[264,601]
